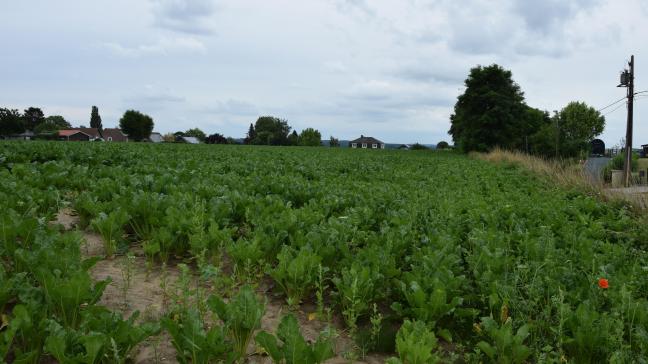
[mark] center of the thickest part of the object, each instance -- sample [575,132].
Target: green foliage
[418,146]
[415,344]
[95,119]
[196,133]
[310,137]
[269,130]
[442,145]
[577,124]
[11,122]
[52,124]
[334,142]
[136,125]
[32,117]
[503,345]
[296,274]
[241,316]
[193,343]
[111,228]
[290,347]
[355,290]
[490,112]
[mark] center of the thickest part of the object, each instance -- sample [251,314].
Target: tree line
[492,112]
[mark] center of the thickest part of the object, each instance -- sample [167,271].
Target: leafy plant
[193,343]
[110,226]
[355,290]
[504,346]
[290,347]
[241,316]
[296,274]
[415,344]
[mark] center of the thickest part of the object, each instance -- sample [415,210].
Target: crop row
[501,265]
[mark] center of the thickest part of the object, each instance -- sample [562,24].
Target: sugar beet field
[116,253]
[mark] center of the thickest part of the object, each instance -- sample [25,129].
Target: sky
[388,69]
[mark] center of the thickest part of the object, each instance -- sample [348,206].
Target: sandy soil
[145,294]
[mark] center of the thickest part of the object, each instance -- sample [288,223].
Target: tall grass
[568,174]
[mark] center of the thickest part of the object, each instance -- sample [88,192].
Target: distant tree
[576,124]
[310,137]
[293,138]
[231,140]
[442,145]
[52,124]
[334,142]
[11,122]
[418,146]
[216,139]
[196,133]
[136,125]
[491,111]
[251,135]
[271,131]
[32,117]
[95,119]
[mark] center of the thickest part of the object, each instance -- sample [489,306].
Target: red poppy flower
[603,283]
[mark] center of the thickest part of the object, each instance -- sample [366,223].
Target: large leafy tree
[310,137]
[32,117]
[293,138]
[271,131]
[491,112]
[136,125]
[334,142]
[52,124]
[576,124]
[11,122]
[196,133]
[95,118]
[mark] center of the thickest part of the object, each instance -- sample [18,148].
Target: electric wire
[613,110]
[612,104]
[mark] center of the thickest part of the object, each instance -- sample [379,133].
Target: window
[374,146]
[364,145]
[110,139]
[354,145]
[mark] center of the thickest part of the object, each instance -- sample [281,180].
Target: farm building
[26,135]
[74,135]
[367,142]
[114,135]
[155,138]
[189,140]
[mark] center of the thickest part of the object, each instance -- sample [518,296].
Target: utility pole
[627,80]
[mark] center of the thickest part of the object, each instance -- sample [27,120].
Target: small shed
[367,143]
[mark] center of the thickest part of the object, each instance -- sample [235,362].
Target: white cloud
[161,46]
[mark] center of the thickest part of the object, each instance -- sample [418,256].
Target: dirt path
[145,294]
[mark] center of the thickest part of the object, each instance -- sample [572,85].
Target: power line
[612,104]
[613,110]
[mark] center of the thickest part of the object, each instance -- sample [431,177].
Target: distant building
[405,146]
[156,138]
[25,135]
[367,143]
[189,140]
[73,135]
[114,135]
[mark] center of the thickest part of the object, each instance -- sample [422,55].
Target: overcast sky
[388,69]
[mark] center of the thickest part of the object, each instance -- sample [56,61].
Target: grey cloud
[186,16]
[549,16]
[231,107]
